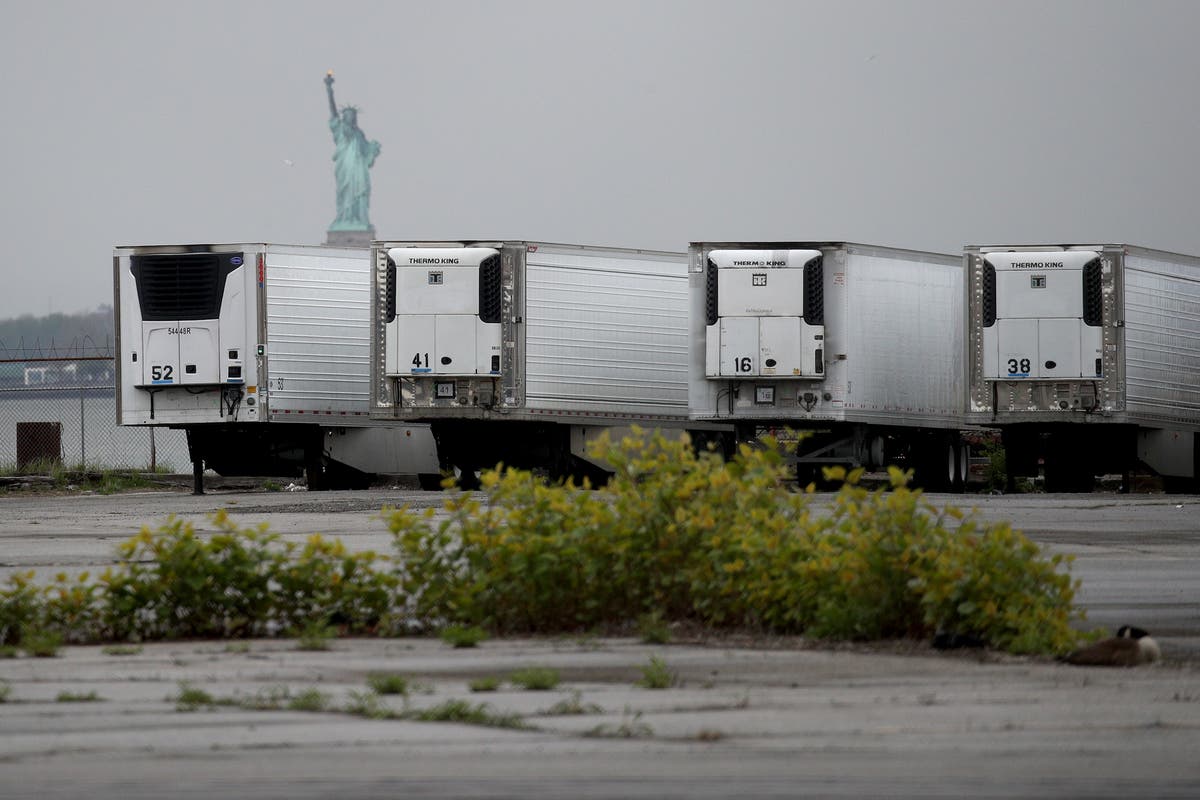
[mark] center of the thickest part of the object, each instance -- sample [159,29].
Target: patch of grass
[9,651]
[630,727]
[462,635]
[572,705]
[78,697]
[121,649]
[369,705]
[316,635]
[41,644]
[535,679]
[191,698]
[709,735]
[237,647]
[487,684]
[5,691]
[653,629]
[388,683]
[309,700]
[657,675]
[463,711]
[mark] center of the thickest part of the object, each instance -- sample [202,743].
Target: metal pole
[82,454]
[153,457]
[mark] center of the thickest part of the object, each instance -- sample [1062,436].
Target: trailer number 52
[162,372]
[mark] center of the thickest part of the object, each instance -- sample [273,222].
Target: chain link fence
[60,411]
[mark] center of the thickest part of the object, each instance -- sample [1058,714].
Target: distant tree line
[86,333]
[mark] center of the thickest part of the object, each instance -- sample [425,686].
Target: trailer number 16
[743,364]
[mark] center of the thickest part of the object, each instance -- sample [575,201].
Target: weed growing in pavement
[535,679]
[488,684]
[121,649]
[316,635]
[5,691]
[191,698]
[571,706]
[369,705]
[630,727]
[78,697]
[463,635]
[456,710]
[657,675]
[309,700]
[387,683]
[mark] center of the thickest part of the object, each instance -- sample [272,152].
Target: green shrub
[653,629]
[487,684]
[687,536]
[21,606]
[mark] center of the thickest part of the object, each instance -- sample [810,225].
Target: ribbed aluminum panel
[318,303]
[1162,338]
[901,337]
[606,331]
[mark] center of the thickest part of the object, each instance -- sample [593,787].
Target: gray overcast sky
[642,123]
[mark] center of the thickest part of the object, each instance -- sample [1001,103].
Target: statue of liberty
[353,157]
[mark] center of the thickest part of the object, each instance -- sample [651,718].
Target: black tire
[430,481]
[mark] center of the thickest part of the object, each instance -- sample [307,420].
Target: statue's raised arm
[333,112]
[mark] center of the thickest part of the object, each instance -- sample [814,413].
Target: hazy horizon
[928,124]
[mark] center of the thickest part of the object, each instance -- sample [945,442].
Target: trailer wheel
[964,466]
[430,481]
[467,477]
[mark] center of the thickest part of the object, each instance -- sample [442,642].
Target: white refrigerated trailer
[520,352]
[260,353]
[857,346]
[1087,358]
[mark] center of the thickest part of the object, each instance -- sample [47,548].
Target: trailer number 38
[1018,367]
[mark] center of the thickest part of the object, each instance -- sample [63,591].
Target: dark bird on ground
[1129,648]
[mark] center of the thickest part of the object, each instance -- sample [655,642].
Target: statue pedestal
[350,238]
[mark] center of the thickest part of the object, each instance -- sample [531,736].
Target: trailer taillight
[262,269]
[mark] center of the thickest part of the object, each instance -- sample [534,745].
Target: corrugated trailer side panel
[1162,337]
[901,335]
[606,331]
[318,333]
